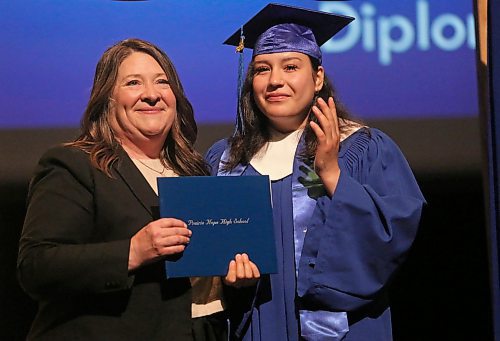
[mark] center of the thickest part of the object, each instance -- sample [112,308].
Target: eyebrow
[137,75]
[286,59]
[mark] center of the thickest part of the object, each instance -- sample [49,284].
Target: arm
[358,238]
[58,251]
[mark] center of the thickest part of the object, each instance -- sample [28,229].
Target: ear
[319,78]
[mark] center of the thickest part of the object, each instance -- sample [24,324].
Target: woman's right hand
[242,272]
[159,238]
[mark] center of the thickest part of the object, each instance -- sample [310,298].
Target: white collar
[276,157]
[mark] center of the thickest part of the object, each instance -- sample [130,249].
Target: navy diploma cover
[227,214]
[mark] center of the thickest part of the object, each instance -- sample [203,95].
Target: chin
[154,133]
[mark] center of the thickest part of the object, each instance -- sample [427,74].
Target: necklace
[149,167]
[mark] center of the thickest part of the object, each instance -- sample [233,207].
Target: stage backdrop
[398,59]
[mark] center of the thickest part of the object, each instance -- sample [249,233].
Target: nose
[150,94]
[276,78]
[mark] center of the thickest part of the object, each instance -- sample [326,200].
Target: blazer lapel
[137,184]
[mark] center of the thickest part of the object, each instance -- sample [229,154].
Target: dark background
[440,293]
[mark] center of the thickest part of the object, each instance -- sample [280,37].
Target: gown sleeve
[58,250]
[357,239]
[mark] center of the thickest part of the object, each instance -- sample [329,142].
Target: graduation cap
[284,28]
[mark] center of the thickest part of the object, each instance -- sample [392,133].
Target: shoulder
[66,157]
[365,138]
[214,153]
[368,145]
[64,153]
[64,161]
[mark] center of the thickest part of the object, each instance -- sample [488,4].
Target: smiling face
[142,106]
[283,88]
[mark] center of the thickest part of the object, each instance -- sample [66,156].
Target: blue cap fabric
[288,38]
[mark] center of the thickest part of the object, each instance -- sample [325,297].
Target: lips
[276,97]
[150,110]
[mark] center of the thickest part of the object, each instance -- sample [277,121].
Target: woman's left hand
[328,134]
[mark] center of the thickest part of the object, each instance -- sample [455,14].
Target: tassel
[239,129]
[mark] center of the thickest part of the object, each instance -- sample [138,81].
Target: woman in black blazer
[92,247]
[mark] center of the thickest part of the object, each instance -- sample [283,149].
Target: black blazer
[73,255]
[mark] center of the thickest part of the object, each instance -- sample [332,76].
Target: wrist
[133,261]
[330,180]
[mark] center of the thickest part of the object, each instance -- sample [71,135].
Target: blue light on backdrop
[398,59]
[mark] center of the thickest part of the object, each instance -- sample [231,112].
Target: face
[143,106]
[284,85]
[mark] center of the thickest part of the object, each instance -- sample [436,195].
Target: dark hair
[97,137]
[243,146]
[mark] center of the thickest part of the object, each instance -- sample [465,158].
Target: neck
[146,150]
[284,127]
[276,135]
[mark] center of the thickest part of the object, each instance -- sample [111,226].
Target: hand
[159,238]
[242,272]
[328,134]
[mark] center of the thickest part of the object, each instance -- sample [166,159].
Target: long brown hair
[244,145]
[97,138]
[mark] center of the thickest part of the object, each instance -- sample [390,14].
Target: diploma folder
[227,215]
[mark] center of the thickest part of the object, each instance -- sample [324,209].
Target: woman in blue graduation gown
[346,205]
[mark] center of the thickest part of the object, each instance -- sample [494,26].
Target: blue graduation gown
[353,242]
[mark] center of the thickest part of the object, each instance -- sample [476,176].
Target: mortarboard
[284,28]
